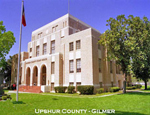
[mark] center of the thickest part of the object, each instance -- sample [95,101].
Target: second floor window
[78,65]
[37,50]
[100,65]
[71,66]
[53,68]
[78,44]
[30,49]
[71,46]
[52,47]
[44,48]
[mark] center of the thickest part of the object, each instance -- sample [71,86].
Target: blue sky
[40,12]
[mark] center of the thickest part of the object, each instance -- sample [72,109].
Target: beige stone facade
[14,67]
[66,52]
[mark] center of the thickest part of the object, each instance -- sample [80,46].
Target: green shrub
[85,89]
[60,89]
[4,97]
[9,97]
[129,88]
[133,87]
[138,86]
[114,89]
[71,89]
[100,90]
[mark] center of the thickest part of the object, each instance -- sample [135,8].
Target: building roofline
[51,23]
[61,18]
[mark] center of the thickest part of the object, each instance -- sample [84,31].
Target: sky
[41,12]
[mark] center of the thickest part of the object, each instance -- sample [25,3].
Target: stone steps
[32,89]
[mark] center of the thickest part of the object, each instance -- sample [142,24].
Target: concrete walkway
[82,96]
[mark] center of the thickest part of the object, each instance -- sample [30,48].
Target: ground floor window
[52,86]
[71,84]
[112,84]
[101,84]
[78,61]
[78,84]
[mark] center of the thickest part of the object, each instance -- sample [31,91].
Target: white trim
[40,57]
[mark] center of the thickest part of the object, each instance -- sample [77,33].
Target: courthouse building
[66,52]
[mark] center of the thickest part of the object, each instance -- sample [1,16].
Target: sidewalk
[16,92]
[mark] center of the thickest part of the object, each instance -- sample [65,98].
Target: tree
[6,69]
[141,59]
[7,40]
[119,43]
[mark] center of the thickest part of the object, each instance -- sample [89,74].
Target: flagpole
[19,53]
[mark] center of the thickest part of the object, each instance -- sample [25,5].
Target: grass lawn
[148,88]
[124,104]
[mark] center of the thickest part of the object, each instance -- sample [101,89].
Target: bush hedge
[85,89]
[133,87]
[71,89]
[114,89]
[60,89]
[4,97]
[129,88]
[138,86]
[100,90]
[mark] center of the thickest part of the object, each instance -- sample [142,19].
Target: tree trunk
[124,84]
[145,85]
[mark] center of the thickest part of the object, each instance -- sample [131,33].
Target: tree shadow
[54,98]
[136,93]
[18,102]
[126,113]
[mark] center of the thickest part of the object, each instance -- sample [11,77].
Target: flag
[23,17]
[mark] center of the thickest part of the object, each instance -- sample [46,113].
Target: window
[101,84]
[71,84]
[54,28]
[65,23]
[78,44]
[37,50]
[78,65]
[71,68]
[110,66]
[52,47]
[100,65]
[53,68]
[62,33]
[99,47]
[30,49]
[112,84]
[39,35]
[78,83]
[71,46]
[52,86]
[44,48]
